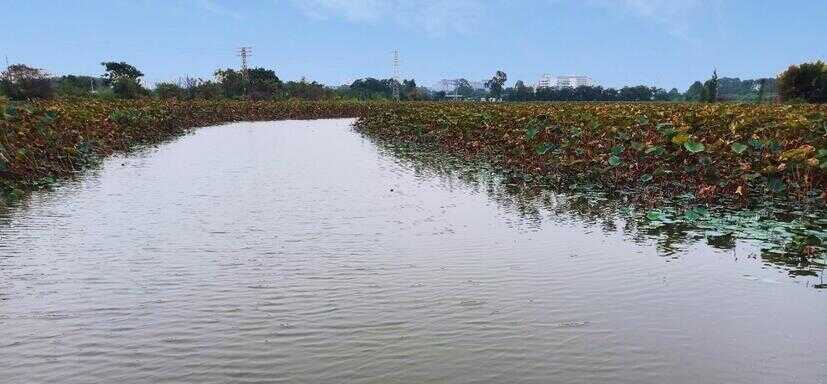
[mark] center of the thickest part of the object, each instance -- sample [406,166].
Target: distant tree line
[799,83]
[521,92]
[122,80]
[714,89]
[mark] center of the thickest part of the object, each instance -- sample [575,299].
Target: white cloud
[435,17]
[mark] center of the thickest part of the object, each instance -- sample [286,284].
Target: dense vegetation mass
[660,150]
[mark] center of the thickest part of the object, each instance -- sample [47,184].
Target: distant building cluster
[564,81]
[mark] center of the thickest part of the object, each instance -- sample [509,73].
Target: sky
[666,43]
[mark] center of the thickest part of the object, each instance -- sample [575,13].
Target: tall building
[546,81]
[564,81]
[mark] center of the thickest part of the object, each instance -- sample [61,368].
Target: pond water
[302,252]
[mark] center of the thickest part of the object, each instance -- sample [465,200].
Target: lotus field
[733,153]
[721,152]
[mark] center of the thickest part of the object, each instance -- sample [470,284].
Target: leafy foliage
[737,152]
[124,79]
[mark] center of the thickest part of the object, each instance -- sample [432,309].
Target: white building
[546,81]
[563,81]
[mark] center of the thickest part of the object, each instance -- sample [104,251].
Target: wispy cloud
[435,17]
[216,8]
[675,16]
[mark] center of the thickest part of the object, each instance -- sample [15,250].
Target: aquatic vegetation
[45,140]
[693,167]
[722,172]
[733,152]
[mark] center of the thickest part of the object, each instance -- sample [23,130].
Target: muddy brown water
[298,252]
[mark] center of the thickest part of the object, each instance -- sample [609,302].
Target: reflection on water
[303,252]
[782,235]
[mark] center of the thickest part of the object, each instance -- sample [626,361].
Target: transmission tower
[396,76]
[245,53]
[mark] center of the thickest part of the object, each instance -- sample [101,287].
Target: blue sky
[669,43]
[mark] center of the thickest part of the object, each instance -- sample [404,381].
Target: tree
[21,82]
[674,95]
[710,89]
[762,90]
[463,88]
[307,91]
[660,94]
[124,79]
[208,90]
[807,81]
[409,91]
[495,85]
[78,86]
[115,71]
[169,91]
[695,91]
[371,89]
[189,86]
[263,84]
[636,93]
[520,92]
[231,82]
[256,83]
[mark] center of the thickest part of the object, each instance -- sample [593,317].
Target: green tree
[263,84]
[124,79]
[232,83]
[409,90]
[710,89]
[169,91]
[256,83]
[307,90]
[807,81]
[21,82]
[372,89]
[120,70]
[463,88]
[695,92]
[78,86]
[636,93]
[521,92]
[495,85]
